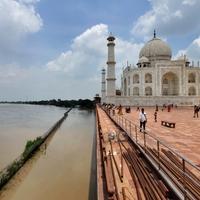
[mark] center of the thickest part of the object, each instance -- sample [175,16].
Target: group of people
[142,114]
[111,108]
[169,107]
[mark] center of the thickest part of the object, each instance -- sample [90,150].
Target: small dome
[156,49]
[143,59]
[184,58]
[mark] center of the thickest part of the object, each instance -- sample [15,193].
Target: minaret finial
[154,33]
[111,37]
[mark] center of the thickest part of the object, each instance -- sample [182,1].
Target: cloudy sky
[56,49]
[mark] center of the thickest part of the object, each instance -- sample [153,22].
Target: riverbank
[81,103]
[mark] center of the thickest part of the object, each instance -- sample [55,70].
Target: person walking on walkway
[196,111]
[156,108]
[155,116]
[120,110]
[143,120]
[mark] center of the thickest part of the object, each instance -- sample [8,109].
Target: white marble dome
[156,49]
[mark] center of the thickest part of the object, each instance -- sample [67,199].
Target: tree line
[81,103]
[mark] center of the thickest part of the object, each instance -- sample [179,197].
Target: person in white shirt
[143,119]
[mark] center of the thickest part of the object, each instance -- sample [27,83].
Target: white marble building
[157,79]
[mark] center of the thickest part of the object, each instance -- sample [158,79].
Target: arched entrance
[170,84]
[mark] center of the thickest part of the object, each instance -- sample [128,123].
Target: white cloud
[17,19]
[169,17]
[28,1]
[88,54]
[192,51]
[178,14]
[189,2]
[75,73]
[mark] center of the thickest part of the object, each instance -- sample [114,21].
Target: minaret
[103,83]
[111,67]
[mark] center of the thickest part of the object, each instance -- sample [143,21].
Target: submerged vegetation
[81,103]
[31,145]
[12,169]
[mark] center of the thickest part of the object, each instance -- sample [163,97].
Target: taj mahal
[157,78]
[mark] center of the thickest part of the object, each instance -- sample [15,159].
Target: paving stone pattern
[184,138]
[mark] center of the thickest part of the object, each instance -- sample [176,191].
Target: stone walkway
[184,138]
[107,127]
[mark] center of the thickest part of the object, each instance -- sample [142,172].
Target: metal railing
[148,142]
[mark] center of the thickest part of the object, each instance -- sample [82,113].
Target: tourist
[156,108]
[113,111]
[128,109]
[155,116]
[196,111]
[120,110]
[143,120]
[169,108]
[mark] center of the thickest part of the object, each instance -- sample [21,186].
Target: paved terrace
[184,138]
[108,126]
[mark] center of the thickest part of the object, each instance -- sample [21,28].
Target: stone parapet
[152,100]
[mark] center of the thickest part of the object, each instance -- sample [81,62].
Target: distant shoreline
[81,103]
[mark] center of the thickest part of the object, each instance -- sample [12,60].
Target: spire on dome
[154,33]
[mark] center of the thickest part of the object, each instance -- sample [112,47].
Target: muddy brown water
[61,168]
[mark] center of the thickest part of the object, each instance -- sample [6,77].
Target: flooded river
[19,123]
[61,169]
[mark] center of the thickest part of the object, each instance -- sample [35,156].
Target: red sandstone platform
[184,138]
[107,127]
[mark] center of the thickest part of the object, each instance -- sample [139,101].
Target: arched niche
[191,78]
[148,78]
[148,91]
[136,91]
[192,91]
[170,84]
[136,78]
